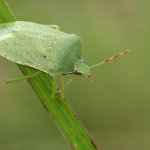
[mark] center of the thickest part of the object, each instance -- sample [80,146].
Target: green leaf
[64,117]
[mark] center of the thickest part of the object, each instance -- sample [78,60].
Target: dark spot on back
[44,56]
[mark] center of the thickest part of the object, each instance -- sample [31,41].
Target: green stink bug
[43,48]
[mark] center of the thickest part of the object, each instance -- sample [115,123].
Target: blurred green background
[115,107]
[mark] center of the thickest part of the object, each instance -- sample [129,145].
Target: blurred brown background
[115,107]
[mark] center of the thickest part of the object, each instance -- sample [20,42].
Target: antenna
[110,58]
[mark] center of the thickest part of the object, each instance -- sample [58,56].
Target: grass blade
[64,117]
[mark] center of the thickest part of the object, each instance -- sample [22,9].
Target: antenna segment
[110,58]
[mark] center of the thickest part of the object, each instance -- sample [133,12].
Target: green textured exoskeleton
[45,49]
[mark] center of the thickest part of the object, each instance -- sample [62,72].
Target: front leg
[54,87]
[62,88]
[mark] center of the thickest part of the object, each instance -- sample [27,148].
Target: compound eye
[83,60]
[75,71]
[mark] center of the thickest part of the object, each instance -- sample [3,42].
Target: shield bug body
[43,48]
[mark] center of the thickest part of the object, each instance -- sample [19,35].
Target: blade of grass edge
[61,112]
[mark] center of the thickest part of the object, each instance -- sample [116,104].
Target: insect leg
[70,80]
[22,78]
[54,87]
[62,88]
[67,83]
[54,26]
